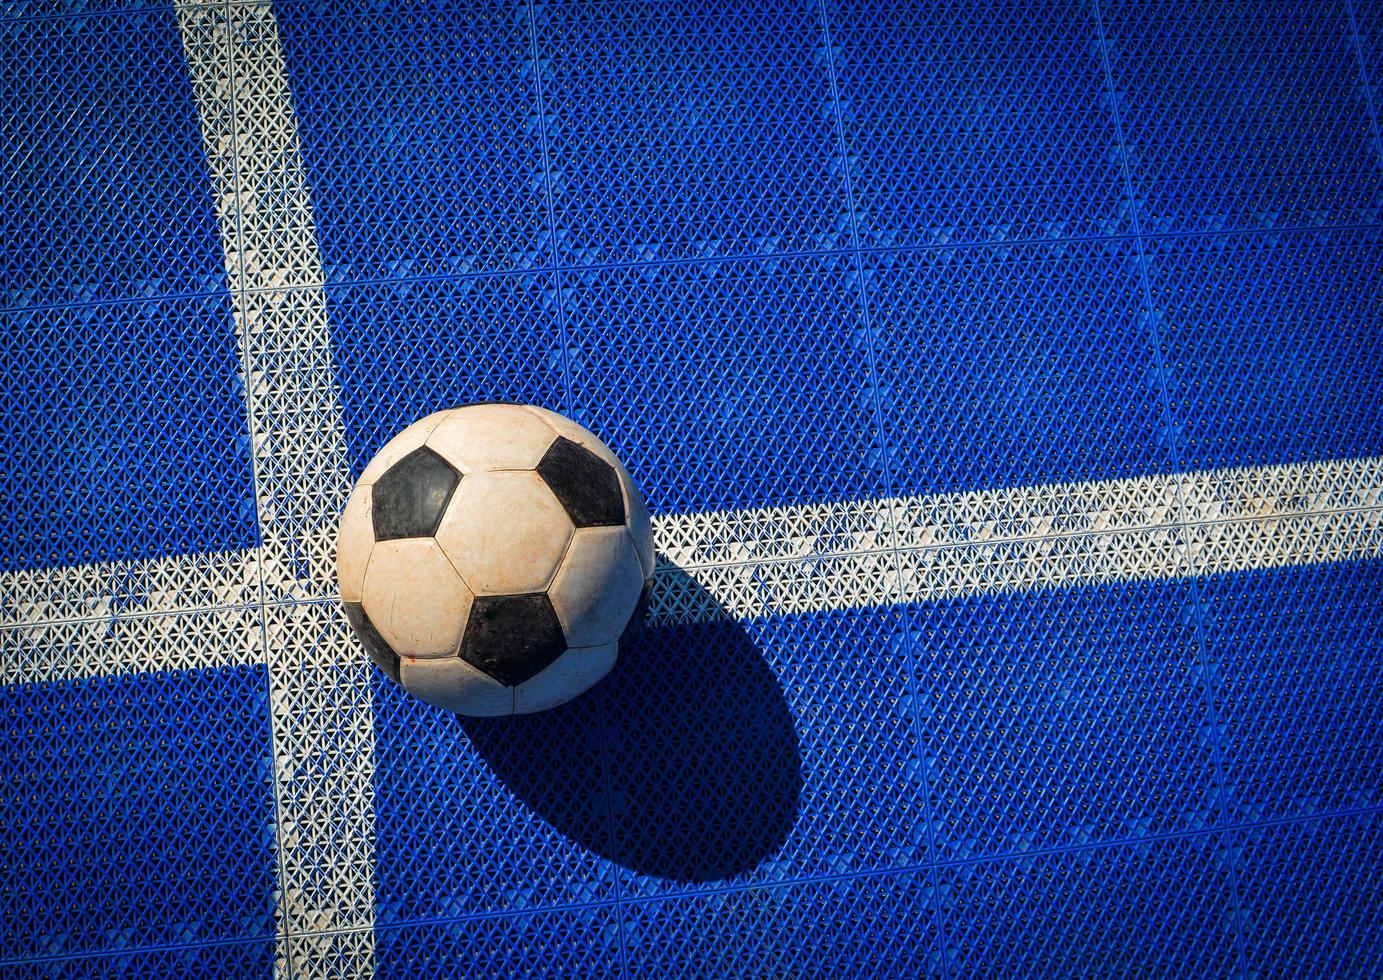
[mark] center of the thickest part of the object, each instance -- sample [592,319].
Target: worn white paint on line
[790,560]
[321,717]
[111,589]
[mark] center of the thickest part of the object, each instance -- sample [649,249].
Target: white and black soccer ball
[492,556]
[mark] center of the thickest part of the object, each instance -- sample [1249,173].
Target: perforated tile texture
[138,812]
[123,416]
[905,317]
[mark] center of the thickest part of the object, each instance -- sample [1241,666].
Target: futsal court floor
[1006,382]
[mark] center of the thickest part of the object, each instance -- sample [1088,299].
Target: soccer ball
[491,558]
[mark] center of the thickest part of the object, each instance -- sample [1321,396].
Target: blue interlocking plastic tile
[566,942]
[1156,908]
[728,383]
[404,349]
[1298,661]
[138,812]
[124,432]
[775,254]
[1242,115]
[421,135]
[487,815]
[123,418]
[858,926]
[220,961]
[1060,718]
[1368,22]
[689,129]
[987,382]
[1271,345]
[968,122]
[106,192]
[715,752]
[1310,897]
[762,751]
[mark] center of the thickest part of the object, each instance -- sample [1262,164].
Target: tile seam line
[764,257]
[228,294]
[1192,560]
[1365,80]
[923,784]
[1112,843]
[91,954]
[555,268]
[886,872]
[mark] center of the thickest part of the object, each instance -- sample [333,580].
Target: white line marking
[201,639]
[127,588]
[785,560]
[788,560]
[322,724]
[1132,505]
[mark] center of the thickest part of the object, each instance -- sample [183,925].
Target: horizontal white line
[153,586]
[1132,504]
[71,650]
[785,560]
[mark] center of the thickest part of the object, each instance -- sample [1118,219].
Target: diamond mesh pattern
[106,198]
[986,384]
[874,926]
[170,962]
[719,132]
[1063,718]
[563,943]
[138,810]
[1306,910]
[1297,656]
[1214,123]
[1280,329]
[968,122]
[769,356]
[123,419]
[403,105]
[907,318]
[755,784]
[1164,908]
[440,808]
[404,350]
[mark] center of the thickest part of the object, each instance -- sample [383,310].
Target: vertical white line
[322,727]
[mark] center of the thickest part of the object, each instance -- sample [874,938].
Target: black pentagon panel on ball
[513,638]
[409,499]
[375,645]
[587,486]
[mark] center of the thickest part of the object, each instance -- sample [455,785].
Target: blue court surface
[1006,383]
